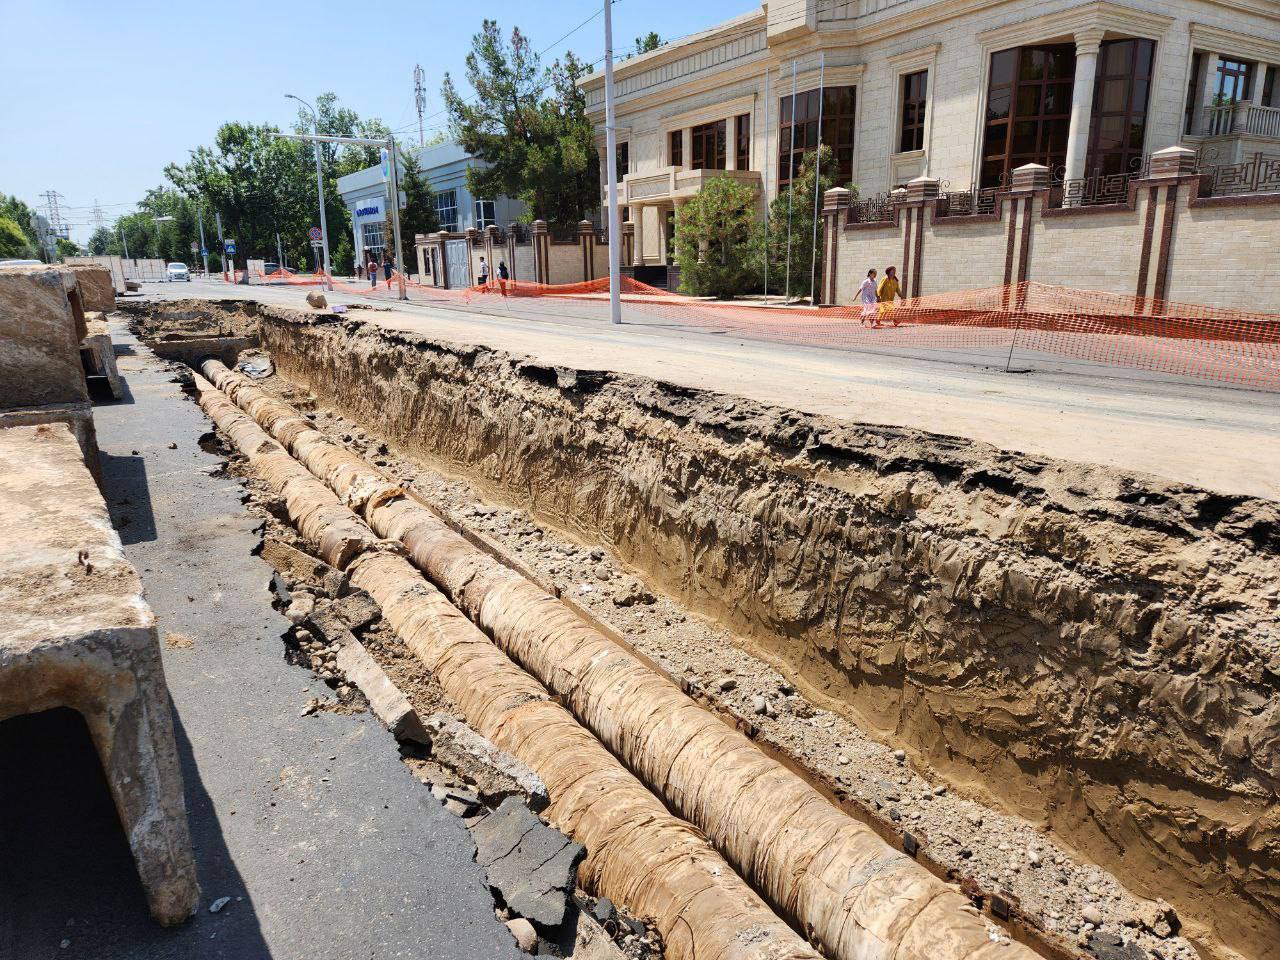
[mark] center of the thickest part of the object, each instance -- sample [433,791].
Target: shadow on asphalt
[132,515]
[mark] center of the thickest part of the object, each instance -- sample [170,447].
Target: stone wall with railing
[1132,233]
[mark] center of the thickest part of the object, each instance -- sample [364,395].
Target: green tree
[22,215]
[794,206]
[67,248]
[716,246]
[100,242]
[14,243]
[650,41]
[529,126]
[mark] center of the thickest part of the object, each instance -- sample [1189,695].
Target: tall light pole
[204,251]
[611,162]
[324,226]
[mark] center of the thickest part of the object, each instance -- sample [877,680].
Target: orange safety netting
[986,326]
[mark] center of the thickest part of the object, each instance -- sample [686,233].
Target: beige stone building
[961,92]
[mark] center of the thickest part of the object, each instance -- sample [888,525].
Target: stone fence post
[835,205]
[541,252]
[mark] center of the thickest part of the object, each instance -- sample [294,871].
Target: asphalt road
[326,844]
[1218,437]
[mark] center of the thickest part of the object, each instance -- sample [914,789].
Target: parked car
[178,271]
[269,268]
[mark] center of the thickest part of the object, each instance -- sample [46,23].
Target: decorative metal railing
[967,203]
[874,209]
[1259,174]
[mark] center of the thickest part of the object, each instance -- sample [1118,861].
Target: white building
[445,167]
[962,91]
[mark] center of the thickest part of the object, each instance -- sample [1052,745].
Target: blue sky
[101,95]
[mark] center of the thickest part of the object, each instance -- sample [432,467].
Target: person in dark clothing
[503,276]
[386,269]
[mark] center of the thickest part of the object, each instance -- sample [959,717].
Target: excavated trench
[1094,653]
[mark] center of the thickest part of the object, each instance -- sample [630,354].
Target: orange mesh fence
[986,326]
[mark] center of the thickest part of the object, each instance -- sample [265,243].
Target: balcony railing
[1237,118]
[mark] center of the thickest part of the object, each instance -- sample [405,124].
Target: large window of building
[486,214]
[447,209]
[707,146]
[623,157]
[838,105]
[914,94]
[371,235]
[1028,110]
[1118,126]
[1270,91]
[1234,83]
[742,141]
[675,148]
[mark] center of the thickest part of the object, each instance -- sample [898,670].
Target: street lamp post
[390,144]
[324,226]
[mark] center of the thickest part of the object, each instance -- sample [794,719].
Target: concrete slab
[78,418]
[79,634]
[40,338]
[324,841]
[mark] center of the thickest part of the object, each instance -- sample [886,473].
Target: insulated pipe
[854,895]
[637,853]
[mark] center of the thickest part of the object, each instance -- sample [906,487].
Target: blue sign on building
[368,211]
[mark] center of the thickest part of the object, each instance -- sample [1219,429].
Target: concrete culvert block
[78,633]
[531,864]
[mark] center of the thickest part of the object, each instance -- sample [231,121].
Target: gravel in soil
[1080,906]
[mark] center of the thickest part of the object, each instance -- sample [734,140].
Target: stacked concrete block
[42,324]
[97,291]
[99,355]
[78,634]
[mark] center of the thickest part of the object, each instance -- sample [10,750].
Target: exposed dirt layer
[1095,652]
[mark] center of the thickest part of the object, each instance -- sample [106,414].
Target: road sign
[314,234]
[194,246]
[386,164]
[204,251]
[231,246]
[316,244]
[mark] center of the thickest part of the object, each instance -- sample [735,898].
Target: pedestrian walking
[484,273]
[867,297]
[386,269]
[503,276]
[372,269]
[885,292]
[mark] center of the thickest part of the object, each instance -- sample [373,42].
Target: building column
[686,148]
[637,246]
[1209,83]
[1088,42]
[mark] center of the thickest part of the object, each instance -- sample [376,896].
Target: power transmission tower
[419,99]
[98,217]
[54,215]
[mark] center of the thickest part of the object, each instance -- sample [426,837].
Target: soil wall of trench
[1097,652]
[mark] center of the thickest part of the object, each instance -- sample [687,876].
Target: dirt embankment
[1097,652]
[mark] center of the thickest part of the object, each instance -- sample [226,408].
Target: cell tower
[419,99]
